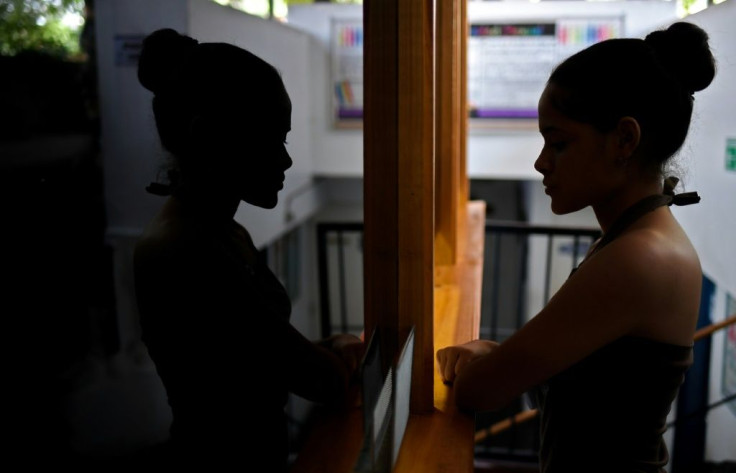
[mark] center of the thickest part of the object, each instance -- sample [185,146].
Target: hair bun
[683,51]
[164,53]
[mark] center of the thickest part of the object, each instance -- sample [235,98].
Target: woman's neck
[609,210]
[207,203]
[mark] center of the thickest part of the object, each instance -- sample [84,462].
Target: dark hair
[189,79]
[652,80]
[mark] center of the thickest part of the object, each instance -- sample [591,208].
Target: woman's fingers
[447,358]
[453,359]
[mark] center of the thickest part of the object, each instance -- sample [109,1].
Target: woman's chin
[563,208]
[262,202]
[268,205]
[557,207]
[262,196]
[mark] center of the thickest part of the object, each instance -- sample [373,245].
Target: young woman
[214,318]
[607,354]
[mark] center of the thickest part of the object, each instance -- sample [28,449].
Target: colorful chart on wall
[347,72]
[509,63]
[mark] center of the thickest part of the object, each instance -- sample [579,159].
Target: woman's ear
[203,136]
[629,135]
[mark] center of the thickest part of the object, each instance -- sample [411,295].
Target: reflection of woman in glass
[608,352]
[214,318]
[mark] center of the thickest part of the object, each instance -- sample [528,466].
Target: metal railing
[334,234]
[509,260]
[523,267]
[514,251]
[506,244]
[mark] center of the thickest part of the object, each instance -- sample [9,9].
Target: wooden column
[404,284]
[451,118]
[399,181]
[463,189]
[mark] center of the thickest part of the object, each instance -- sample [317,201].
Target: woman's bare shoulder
[660,264]
[660,250]
[164,237]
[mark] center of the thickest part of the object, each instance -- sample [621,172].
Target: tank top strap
[644,206]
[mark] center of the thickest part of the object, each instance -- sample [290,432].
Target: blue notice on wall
[128,49]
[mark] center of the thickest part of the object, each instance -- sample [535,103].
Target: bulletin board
[346,43]
[508,65]
[510,62]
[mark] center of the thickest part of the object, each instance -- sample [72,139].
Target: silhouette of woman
[214,318]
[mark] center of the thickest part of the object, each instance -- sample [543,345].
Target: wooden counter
[440,442]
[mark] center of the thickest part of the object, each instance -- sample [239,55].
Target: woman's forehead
[546,106]
[274,111]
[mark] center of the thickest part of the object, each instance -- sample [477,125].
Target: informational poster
[509,63]
[728,383]
[347,71]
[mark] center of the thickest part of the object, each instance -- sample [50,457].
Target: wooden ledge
[334,443]
[444,440]
[439,442]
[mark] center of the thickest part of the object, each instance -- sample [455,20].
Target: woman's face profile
[255,154]
[576,159]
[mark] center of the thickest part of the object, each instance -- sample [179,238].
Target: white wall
[712,223]
[501,154]
[131,149]
[337,152]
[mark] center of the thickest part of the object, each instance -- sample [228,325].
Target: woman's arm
[322,371]
[609,296]
[205,312]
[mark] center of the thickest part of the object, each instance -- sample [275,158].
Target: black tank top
[607,413]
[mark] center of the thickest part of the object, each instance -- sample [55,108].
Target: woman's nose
[287,161]
[542,164]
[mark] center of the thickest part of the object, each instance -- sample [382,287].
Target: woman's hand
[348,348]
[453,359]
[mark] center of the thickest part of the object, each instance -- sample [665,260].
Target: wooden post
[398,133]
[463,189]
[450,179]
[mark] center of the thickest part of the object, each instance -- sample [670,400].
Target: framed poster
[346,42]
[509,63]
